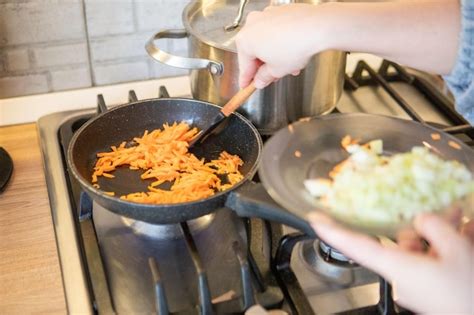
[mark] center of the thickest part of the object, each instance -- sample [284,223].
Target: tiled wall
[53,45]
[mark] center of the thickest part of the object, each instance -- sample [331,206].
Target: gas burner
[328,262]
[330,253]
[167,231]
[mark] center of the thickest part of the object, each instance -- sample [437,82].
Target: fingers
[389,262]
[439,233]
[409,240]
[248,62]
[263,77]
[262,74]
[259,55]
[364,249]
[248,66]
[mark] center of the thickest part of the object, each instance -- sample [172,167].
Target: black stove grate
[206,306]
[384,76]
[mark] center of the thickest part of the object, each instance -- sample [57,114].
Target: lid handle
[156,53]
[238,18]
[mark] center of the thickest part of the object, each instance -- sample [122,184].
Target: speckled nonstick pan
[128,121]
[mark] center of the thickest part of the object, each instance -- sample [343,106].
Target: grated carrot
[162,155]
[435,136]
[454,145]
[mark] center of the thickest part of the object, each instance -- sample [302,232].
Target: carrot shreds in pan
[162,155]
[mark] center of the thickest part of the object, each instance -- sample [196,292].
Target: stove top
[220,263]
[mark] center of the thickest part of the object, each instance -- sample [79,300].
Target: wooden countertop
[30,275]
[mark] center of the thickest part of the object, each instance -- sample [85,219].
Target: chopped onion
[375,188]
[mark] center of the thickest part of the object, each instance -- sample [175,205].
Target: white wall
[54,45]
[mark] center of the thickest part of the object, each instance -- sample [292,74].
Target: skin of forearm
[419,34]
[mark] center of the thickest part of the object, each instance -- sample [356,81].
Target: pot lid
[207,20]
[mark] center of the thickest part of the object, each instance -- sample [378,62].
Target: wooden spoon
[232,105]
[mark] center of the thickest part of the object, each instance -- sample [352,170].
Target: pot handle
[252,200]
[214,67]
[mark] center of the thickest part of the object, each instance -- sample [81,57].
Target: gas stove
[221,263]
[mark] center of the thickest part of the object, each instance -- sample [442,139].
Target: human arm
[440,281]
[280,40]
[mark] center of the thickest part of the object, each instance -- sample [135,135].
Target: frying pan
[128,121]
[311,148]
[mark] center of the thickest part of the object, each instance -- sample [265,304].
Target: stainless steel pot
[214,68]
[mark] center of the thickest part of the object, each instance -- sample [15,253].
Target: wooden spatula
[235,102]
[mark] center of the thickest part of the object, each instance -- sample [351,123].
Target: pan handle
[252,200]
[156,53]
